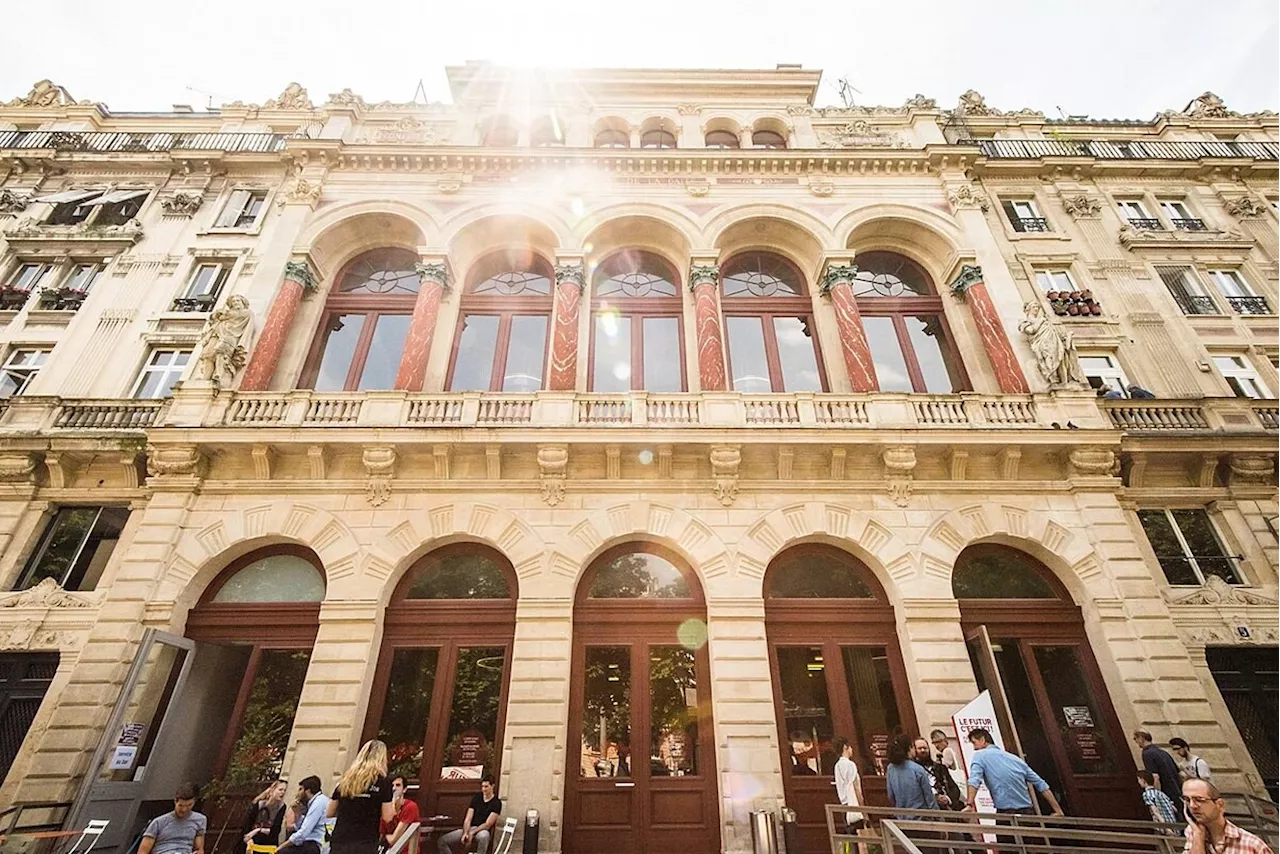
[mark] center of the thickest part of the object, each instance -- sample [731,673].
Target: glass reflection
[473,366]
[927,341]
[1075,710]
[673,727]
[383,361]
[875,707]
[525,353]
[747,359]
[639,575]
[662,354]
[473,718]
[796,354]
[810,576]
[407,709]
[886,353]
[339,346]
[612,370]
[276,578]
[606,712]
[259,750]
[459,576]
[806,708]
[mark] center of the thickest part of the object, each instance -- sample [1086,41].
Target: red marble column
[704,281]
[570,282]
[298,279]
[422,326]
[970,287]
[837,284]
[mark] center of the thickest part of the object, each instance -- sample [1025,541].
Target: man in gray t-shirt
[177,832]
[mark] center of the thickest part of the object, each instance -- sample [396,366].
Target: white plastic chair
[507,837]
[94,829]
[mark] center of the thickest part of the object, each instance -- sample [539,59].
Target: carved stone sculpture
[346,98]
[725,460]
[553,469]
[965,196]
[13,203]
[44,93]
[175,461]
[294,97]
[1208,106]
[303,192]
[973,104]
[380,465]
[17,467]
[1252,468]
[226,341]
[1245,207]
[899,466]
[1216,591]
[1082,206]
[920,102]
[182,204]
[1054,348]
[1094,462]
[47,594]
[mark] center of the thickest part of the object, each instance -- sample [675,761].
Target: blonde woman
[264,817]
[361,801]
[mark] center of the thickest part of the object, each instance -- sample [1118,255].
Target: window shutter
[231,213]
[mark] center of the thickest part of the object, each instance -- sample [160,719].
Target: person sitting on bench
[481,818]
[180,831]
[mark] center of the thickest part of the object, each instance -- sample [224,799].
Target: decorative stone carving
[302,192]
[967,197]
[437,272]
[970,275]
[920,102]
[346,98]
[26,228]
[1208,106]
[1054,348]
[47,594]
[182,204]
[44,93]
[449,186]
[294,97]
[821,187]
[697,189]
[19,636]
[380,465]
[408,130]
[689,109]
[725,460]
[553,469]
[1082,206]
[1245,207]
[13,203]
[1094,462]
[859,134]
[571,274]
[973,104]
[17,467]
[1252,468]
[899,465]
[1216,591]
[799,110]
[300,272]
[704,274]
[226,341]
[175,461]
[834,273]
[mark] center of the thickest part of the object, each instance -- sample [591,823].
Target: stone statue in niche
[226,341]
[1054,348]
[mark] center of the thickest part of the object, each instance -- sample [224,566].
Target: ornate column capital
[837,270]
[970,275]
[571,273]
[298,269]
[436,270]
[703,274]
[1082,206]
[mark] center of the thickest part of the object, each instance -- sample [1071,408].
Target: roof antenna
[421,90]
[846,91]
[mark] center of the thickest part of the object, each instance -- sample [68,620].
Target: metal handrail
[1014,837]
[410,833]
[893,836]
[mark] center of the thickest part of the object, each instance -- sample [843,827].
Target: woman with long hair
[361,802]
[909,785]
[263,818]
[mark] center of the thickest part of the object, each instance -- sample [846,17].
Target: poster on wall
[978,713]
[126,750]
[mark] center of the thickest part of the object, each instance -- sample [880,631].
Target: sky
[1109,59]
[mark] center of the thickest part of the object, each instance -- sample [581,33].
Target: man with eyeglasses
[1208,831]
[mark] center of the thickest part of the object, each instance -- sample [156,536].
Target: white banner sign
[980,713]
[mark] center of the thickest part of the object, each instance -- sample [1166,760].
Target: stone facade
[371,481]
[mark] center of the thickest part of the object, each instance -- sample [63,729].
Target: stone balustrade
[1192,414]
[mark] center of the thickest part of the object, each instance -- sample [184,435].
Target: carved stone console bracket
[725,460]
[380,465]
[899,465]
[553,470]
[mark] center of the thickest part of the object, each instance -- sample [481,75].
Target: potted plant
[13,299]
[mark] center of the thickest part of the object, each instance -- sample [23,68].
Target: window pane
[606,712]
[998,572]
[927,340]
[875,707]
[747,359]
[258,755]
[276,578]
[639,575]
[1075,710]
[612,369]
[62,545]
[97,549]
[339,346]
[383,361]
[1177,569]
[673,727]
[459,576]
[407,709]
[802,679]
[473,719]
[473,366]
[662,354]
[813,576]
[1197,530]
[796,354]
[525,354]
[886,353]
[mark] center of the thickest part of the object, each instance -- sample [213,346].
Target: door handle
[624,785]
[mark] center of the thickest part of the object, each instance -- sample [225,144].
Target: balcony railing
[1189,224]
[1196,304]
[1031,149]
[61,140]
[1139,223]
[107,414]
[1192,414]
[1249,305]
[1030,223]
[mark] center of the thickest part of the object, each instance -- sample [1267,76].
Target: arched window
[809,572]
[501,133]
[546,132]
[769,325]
[501,343]
[991,571]
[639,575]
[636,341]
[457,574]
[657,139]
[721,139]
[613,139]
[767,139]
[365,321]
[286,577]
[902,314]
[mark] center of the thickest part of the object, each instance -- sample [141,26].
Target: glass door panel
[257,754]
[806,709]
[673,712]
[407,710]
[606,712]
[469,750]
[1019,694]
[1075,709]
[874,705]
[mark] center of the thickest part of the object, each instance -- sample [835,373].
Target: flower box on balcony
[62,299]
[13,299]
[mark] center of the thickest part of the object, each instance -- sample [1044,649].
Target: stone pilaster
[937,660]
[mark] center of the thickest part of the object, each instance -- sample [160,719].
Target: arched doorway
[837,671]
[1027,640]
[255,626]
[440,691]
[640,776]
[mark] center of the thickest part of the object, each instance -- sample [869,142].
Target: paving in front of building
[630,436]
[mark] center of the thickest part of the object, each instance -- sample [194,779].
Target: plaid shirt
[1161,804]
[1234,841]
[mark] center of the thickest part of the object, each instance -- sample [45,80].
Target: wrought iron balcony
[141,142]
[1139,223]
[1249,305]
[1196,304]
[1031,149]
[1031,223]
[62,299]
[13,299]
[200,303]
[1189,225]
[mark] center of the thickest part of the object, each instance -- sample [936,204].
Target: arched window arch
[769,325]
[501,132]
[721,139]
[501,343]
[819,572]
[902,314]
[612,138]
[636,339]
[657,138]
[767,139]
[546,132]
[635,573]
[993,571]
[365,322]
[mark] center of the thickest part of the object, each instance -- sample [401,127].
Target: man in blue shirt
[1006,777]
[309,837]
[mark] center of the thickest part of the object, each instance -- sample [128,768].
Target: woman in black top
[263,819]
[361,802]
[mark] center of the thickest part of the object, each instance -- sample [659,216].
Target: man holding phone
[1208,831]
